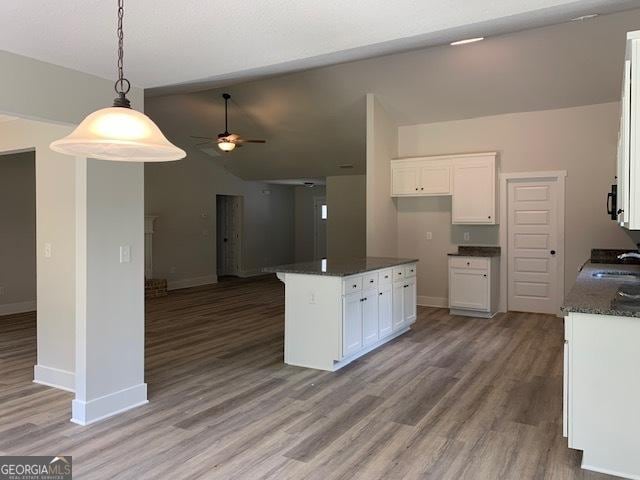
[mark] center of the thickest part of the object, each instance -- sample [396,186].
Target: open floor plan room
[452,399]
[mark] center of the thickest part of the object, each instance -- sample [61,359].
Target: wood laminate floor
[455,398]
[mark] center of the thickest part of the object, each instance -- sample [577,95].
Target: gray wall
[18,232]
[580,140]
[183,195]
[304,221]
[347,216]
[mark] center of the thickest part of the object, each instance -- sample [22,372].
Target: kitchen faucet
[636,254]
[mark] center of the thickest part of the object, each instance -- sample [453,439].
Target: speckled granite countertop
[595,295]
[476,251]
[340,267]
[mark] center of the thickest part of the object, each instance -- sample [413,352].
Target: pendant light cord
[122,85]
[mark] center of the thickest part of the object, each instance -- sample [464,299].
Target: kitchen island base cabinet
[602,392]
[330,320]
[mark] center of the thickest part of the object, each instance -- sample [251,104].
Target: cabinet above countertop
[469,178]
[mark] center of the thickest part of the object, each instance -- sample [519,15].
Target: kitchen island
[337,310]
[601,358]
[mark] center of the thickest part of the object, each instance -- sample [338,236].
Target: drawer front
[410,270]
[352,284]
[370,280]
[385,277]
[476,263]
[398,273]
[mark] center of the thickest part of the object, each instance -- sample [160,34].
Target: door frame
[559,176]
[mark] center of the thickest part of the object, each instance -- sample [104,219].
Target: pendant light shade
[119,134]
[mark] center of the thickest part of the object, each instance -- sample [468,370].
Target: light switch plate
[125,254]
[467,236]
[47,250]
[429,236]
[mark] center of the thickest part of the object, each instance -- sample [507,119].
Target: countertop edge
[336,274]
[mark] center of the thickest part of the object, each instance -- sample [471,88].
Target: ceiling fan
[227,141]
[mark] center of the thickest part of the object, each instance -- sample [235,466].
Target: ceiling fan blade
[242,140]
[204,138]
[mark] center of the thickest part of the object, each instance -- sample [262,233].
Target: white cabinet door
[409,300]
[404,179]
[369,317]
[435,179]
[385,311]
[474,197]
[352,324]
[469,289]
[398,305]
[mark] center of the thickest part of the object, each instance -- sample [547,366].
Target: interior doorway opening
[229,217]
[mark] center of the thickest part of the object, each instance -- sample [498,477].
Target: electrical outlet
[47,250]
[125,254]
[467,236]
[429,236]
[312,298]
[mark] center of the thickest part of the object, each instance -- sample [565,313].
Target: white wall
[183,195]
[346,216]
[110,312]
[18,233]
[55,220]
[382,216]
[580,140]
[305,221]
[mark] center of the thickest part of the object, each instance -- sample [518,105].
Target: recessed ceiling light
[582,18]
[467,40]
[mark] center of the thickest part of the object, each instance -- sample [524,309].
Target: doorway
[229,215]
[533,241]
[320,214]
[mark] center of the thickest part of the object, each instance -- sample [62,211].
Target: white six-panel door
[533,250]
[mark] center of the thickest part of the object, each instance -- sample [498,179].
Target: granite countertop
[340,267]
[595,295]
[476,251]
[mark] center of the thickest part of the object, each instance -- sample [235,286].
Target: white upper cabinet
[469,178]
[404,180]
[474,186]
[628,172]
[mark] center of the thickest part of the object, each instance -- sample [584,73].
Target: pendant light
[119,133]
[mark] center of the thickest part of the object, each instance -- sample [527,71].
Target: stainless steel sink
[628,276]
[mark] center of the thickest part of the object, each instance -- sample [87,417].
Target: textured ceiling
[315,120]
[176,42]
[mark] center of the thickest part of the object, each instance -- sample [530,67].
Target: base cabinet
[384,304]
[473,286]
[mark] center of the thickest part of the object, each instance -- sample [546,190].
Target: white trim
[54,377]
[438,302]
[85,413]
[19,307]
[560,178]
[449,155]
[471,313]
[191,282]
[610,472]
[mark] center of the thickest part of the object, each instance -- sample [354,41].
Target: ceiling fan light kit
[119,133]
[227,141]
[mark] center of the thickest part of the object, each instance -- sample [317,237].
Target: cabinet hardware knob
[421,188]
[489,217]
[468,263]
[620,210]
[380,293]
[552,252]
[364,299]
[485,275]
[370,281]
[416,189]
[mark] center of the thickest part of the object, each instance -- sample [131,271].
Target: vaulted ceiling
[170,42]
[314,120]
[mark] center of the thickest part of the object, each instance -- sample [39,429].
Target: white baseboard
[54,377]
[20,307]
[439,302]
[85,413]
[191,282]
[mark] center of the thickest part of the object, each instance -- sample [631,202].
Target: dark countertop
[476,251]
[595,295]
[340,267]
